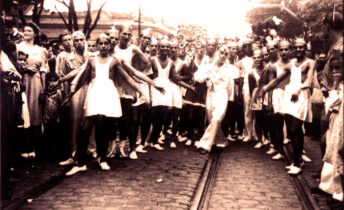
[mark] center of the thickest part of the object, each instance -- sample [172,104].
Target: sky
[222,17]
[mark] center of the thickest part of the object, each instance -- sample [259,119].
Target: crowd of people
[81,96]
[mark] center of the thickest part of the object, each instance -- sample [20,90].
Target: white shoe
[240,137]
[286,141]
[169,131]
[104,166]
[69,161]
[196,143]
[76,169]
[306,158]
[258,145]
[32,154]
[222,145]
[294,170]
[158,147]
[182,138]
[246,139]
[188,143]
[140,149]
[271,151]
[133,155]
[161,139]
[24,155]
[230,138]
[289,166]
[173,145]
[278,156]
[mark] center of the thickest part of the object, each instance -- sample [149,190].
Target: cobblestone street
[246,178]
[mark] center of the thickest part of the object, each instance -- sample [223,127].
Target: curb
[302,187]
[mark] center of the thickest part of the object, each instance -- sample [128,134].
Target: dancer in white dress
[102,105]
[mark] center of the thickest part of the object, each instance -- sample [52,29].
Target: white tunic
[159,99]
[301,109]
[278,96]
[102,97]
[176,90]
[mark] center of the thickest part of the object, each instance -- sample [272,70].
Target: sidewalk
[31,178]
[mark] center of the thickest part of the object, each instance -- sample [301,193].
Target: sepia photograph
[176,105]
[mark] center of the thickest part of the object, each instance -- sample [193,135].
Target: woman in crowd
[34,81]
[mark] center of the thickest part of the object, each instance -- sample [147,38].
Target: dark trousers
[175,113]
[261,123]
[297,137]
[183,119]
[276,131]
[234,118]
[142,121]
[126,122]
[159,115]
[195,121]
[103,128]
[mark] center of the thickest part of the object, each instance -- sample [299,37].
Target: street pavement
[247,178]
[157,180]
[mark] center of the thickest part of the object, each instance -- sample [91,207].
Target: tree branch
[63,2]
[74,16]
[21,14]
[96,20]
[88,18]
[63,19]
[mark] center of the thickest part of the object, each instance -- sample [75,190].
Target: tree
[72,22]
[310,12]
[20,5]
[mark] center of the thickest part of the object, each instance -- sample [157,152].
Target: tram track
[202,193]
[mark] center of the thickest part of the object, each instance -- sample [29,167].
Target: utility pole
[139,28]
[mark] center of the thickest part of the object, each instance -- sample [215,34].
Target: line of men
[170,89]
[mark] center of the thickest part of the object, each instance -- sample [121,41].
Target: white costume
[301,109]
[102,97]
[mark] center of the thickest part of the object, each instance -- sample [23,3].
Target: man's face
[114,39]
[257,58]
[211,48]
[103,45]
[164,49]
[79,42]
[92,46]
[247,49]
[299,50]
[67,42]
[146,40]
[125,37]
[154,48]
[223,54]
[173,50]
[265,55]
[284,51]
[233,51]
[272,51]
